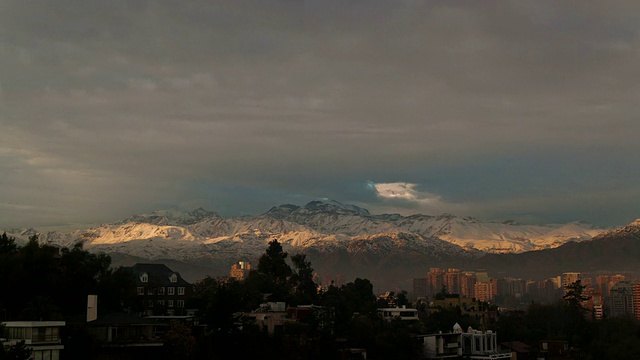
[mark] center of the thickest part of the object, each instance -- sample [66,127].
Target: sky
[525,110]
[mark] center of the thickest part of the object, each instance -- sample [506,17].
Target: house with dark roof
[160,290]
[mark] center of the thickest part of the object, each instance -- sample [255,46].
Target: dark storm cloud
[487,109]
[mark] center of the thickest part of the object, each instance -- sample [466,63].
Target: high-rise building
[240,270]
[547,291]
[467,283]
[434,281]
[636,301]
[602,284]
[452,281]
[482,291]
[622,299]
[420,286]
[498,287]
[596,304]
[482,276]
[517,287]
[613,280]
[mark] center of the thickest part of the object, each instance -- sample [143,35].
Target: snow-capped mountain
[319,227]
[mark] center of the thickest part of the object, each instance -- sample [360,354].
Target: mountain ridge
[336,236]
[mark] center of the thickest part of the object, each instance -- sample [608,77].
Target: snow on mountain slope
[319,225]
[632,229]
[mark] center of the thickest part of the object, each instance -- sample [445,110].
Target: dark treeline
[46,283]
[43,282]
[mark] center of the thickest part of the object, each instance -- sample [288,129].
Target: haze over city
[501,110]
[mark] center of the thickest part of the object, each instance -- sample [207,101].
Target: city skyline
[508,110]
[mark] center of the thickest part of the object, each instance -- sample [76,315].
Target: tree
[218,302]
[442,294]
[574,297]
[273,272]
[18,351]
[305,290]
[180,342]
[401,298]
[574,322]
[273,263]
[7,245]
[41,308]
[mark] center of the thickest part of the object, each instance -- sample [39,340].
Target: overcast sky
[526,110]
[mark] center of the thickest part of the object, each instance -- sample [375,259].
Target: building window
[180,303]
[161,302]
[171,290]
[181,291]
[144,278]
[15,333]
[149,291]
[173,278]
[161,290]
[140,290]
[170,303]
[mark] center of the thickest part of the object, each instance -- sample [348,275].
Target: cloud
[397,190]
[407,198]
[119,107]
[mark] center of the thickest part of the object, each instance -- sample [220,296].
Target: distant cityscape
[609,295]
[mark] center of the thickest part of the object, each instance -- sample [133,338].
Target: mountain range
[338,238]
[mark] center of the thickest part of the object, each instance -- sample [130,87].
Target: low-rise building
[473,344]
[270,316]
[41,337]
[161,290]
[402,313]
[441,346]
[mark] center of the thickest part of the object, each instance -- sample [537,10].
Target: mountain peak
[336,207]
[282,211]
[172,217]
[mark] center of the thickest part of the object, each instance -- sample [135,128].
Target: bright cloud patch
[403,191]
[397,190]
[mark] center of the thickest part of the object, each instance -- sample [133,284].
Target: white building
[473,344]
[442,346]
[41,337]
[402,313]
[481,345]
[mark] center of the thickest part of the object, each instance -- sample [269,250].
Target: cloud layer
[508,109]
